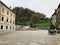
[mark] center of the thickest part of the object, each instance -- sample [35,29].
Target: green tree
[35,18]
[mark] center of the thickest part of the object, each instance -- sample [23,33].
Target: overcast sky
[43,6]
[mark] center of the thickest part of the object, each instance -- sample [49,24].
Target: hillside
[25,16]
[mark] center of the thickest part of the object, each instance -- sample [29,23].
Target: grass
[42,23]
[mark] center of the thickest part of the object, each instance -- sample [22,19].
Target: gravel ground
[40,37]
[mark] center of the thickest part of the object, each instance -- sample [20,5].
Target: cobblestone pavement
[29,38]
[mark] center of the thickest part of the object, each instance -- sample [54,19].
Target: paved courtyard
[29,38]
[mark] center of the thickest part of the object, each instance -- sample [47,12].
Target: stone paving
[29,38]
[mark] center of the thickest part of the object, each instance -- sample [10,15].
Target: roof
[6,6]
[59,5]
[54,13]
[56,10]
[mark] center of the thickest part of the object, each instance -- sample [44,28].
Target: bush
[52,27]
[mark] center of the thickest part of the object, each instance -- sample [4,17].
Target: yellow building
[7,18]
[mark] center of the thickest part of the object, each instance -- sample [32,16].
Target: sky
[46,7]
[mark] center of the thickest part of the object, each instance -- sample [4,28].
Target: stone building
[7,18]
[56,18]
[53,19]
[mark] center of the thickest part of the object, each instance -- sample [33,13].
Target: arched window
[3,10]
[7,20]
[6,27]
[10,21]
[1,26]
[13,27]
[11,14]
[10,27]
[2,18]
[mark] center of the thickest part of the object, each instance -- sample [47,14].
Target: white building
[7,18]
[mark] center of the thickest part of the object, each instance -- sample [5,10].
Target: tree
[19,11]
[35,18]
[25,14]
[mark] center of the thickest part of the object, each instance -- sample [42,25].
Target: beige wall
[9,17]
[54,20]
[0,11]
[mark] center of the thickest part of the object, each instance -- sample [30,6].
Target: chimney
[10,7]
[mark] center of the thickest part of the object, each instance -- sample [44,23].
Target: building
[7,18]
[53,19]
[56,18]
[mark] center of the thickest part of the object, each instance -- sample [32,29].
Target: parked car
[52,31]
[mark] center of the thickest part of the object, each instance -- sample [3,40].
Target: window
[10,27]
[7,20]
[3,10]
[6,27]
[13,27]
[13,22]
[2,18]
[10,21]
[1,26]
[7,12]
[11,14]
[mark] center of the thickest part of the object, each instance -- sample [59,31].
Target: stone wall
[58,18]
[18,27]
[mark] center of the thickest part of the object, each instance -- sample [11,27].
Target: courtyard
[40,37]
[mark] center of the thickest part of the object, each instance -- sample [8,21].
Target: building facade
[56,18]
[7,18]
